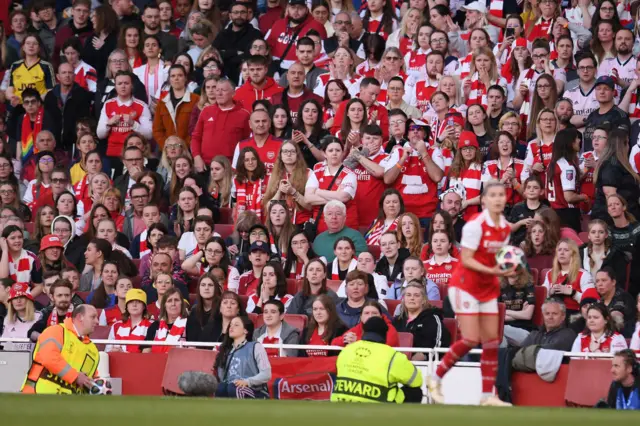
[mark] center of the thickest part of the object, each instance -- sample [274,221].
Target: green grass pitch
[19,410]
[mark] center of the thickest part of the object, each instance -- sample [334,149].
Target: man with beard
[451,202]
[286,31]
[439,42]
[564,113]
[622,68]
[419,94]
[235,40]
[151,20]
[583,95]
[258,86]
[61,291]
[124,10]
[607,111]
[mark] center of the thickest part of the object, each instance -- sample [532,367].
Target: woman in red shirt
[371,308]
[439,267]
[249,184]
[466,169]
[441,222]
[324,326]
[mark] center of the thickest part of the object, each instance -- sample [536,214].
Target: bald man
[262,141]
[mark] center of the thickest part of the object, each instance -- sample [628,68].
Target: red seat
[292,286]
[452,326]
[334,284]
[584,222]
[43,299]
[137,263]
[226,217]
[375,251]
[29,227]
[540,262]
[541,296]
[192,299]
[405,340]
[254,319]
[391,305]
[180,360]
[588,381]
[83,295]
[225,230]
[243,301]
[436,303]
[442,288]
[192,285]
[535,274]
[100,332]
[584,236]
[543,275]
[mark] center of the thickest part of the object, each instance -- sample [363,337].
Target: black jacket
[139,92]
[99,58]
[616,260]
[428,329]
[331,44]
[78,106]
[234,47]
[169,45]
[382,267]
[195,330]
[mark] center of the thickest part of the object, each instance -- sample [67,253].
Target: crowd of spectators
[181,165]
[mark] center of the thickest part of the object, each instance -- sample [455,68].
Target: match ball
[509,257]
[101,386]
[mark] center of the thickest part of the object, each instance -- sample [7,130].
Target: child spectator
[276,330]
[521,215]
[134,323]
[518,295]
[110,315]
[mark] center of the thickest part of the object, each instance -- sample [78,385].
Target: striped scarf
[28,134]
[634,110]
[335,268]
[495,8]
[53,318]
[144,250]
[165,335]
[478,93]
[249,196]
[525,108]
[625,15]
[124,331]
[377,230]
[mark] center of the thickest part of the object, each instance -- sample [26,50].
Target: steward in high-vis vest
[370,371]
[65,360]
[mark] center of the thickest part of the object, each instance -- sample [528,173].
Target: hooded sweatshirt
[247,94]
[75,247]
[427,328]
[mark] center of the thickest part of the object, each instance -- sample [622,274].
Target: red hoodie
[219,131]
[247,94]
[392,334]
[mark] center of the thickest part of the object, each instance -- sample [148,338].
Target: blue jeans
[229,390]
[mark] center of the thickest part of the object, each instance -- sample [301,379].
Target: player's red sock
[489,365]
[456,351]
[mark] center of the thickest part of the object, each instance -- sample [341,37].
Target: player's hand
[83,381]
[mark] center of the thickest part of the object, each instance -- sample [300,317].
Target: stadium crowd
[312,165]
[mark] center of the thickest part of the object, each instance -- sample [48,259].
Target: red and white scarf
[165,335]
[143,244]
[20,268]
[124,331]
[541,29]
[525,108]
[335,268]
[495,8]
[53,318]
[625,15]
[297,270]
[377,230]
[253,203]
[478,93]
[634,110]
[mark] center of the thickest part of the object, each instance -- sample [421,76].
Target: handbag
[310,227]
[276,65]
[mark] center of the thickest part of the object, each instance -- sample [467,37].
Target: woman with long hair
[112,314]
[43,219]
[505,167]
[300,253]
[280,226]
[230,306]
[390,207]
[477,122]
[423,320]
[409,233]
[182,167]
[379,18]
[466,170]
[440,261]
[209,295]
[589,162]
[345,261]
[154,182]
[134,323]
[324,326]
[602,43]
[519,62]
[85,143]
[104,41]
[220,181]
[539,150]
[51,254]
[403,38]
[288,182]
[599,252]
[539,244]
[344,66]
[562,177]
[33,53]
[67,205]
[41,185]
[545,96]
[131,42]
[600,335]
[89,189]
[281,123]
[483,73]
[415,59]
[334,94]
[273,285]
[441,221]
[211,12]
[215,253]
[314,284]
[183,213]
[152,72]
[172,323]
[546,13]
[353,123]
[250,183]
[207,98]
[238,345]
[625,225]
[478,37]
[308,131]
[615,175]
[567,280]
[104,296]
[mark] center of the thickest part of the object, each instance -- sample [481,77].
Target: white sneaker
[494,401]
[435,390]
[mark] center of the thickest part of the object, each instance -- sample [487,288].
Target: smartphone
[509,32]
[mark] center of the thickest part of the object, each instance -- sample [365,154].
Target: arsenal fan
[262,141]
[276,330]
[379,18]
[343,69]
[475,19]
[630,101]
[600,335]
[589,161]
[110,315]
[61,309]
[395,98]
[466,170]
[474,290]
[84,74]
[607,111]
[305,54]
[477,38]
[134,322]
[483,73]
[416,58]
[171,325]
[376,113]
[283,34]
[258,256]
[439,267]
[623,66]
[549,10]
[419,94]
[539,150]
[296,91]
[506,168]
[583,95]
[259,85]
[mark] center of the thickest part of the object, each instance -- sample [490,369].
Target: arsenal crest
[569,174]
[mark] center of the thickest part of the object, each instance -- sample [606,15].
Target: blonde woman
[451,86]
[403,38]
[207,97]
[21,316]
[173,148]
[409,233]
[483,73]
[221,181]
[540,149]
[519,297]
[567,280]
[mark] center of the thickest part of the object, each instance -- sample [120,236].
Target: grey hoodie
[288,334]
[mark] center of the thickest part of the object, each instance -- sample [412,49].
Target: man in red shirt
[263,142]
[258,86]
[296,23]
[376,113]
[220,127]
[258,256]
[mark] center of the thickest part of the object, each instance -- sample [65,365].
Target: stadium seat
[584,222]
[375,251]
[442,288]
[334,284]
[192,299]
[588,382]
[192,284]
[83,295]
[225,230]
[541,296]
[452,326]
[297,321]
[136,281]
[29,227]
[137,263]
[226,217]
[391,305]
[254,319]
[293,286]
[243,301]
[100,332]
[543,275]
[540,262]
[584,236]
[181,360]
[535,274]
[405,340]
[436,303]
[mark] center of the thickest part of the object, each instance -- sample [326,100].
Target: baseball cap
[468,138]
[456,117]
[136,294]
[259,246]
[20,290]
[521,42]
[297,3]
[477,6]
[590,295]
[606,80]
[50,241]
